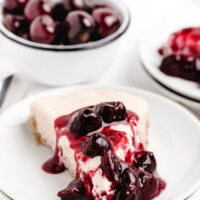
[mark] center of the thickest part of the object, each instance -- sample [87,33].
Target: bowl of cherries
[59,42]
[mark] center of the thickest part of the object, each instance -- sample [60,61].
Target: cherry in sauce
[111,111]
[85,121]
[95,145]
[145,160]
[74,191]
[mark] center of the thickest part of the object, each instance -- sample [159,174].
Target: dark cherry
[95,145]
[149,185]
[42,29]
[111,111]
[85,121]
[129,177]
[145,160]
[14,6]
[129,183]
[70,5]
[35,8]
[110,166]
[81,27]
[59,12]
[16,24]
[74,191]
[122,193]
[181,66]
[107,21]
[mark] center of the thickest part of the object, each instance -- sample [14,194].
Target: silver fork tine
[4,196]
[5,87]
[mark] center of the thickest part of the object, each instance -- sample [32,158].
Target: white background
[146,15]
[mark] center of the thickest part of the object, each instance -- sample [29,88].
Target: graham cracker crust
[37,136]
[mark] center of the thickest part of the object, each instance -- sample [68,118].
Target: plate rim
[168,88]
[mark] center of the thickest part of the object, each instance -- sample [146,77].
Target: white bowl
[69,64]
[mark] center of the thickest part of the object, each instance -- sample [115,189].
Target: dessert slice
[181,55]
[102,144]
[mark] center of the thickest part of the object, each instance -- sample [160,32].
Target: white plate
[151,60]
[174,138]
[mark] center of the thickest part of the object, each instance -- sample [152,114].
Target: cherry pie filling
[60,23]
[181,55]
[98,142]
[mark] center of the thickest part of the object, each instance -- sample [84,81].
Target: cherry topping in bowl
[42,29]
[85,121]
[107,21]
[181,55]
[74,191]
[81,27]
[149,185]
[85,21]
[145,160]
[96,144]
[111,111]
[35,8]
[14,6]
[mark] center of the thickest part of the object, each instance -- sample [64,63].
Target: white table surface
[127,69]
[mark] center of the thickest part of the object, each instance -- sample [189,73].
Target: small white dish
[151,60]
[174,138]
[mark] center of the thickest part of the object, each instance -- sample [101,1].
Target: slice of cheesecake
[99,136]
